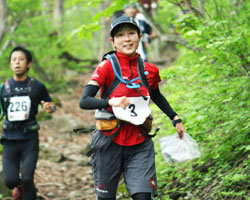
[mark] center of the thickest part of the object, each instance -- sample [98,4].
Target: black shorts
[136,163]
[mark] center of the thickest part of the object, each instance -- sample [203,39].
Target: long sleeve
[88,100]
[162,103]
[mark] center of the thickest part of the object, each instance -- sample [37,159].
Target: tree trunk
[3,18]
[201,7]
[58,16]
[40,71]
[105,23]
[8,41]
[46,8]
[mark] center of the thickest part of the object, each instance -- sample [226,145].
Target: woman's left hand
[180,129]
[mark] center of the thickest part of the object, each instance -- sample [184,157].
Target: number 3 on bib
[136,113]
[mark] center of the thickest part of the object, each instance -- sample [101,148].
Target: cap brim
[123,22]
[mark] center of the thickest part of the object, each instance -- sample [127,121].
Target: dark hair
[120,26]
[25,51]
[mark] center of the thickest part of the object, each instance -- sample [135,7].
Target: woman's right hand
[119,102]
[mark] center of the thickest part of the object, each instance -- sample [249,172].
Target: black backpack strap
[8,91]
[30,86]
[7,87]
[105,56]
[140,68]
[106,141]
[116,82]
[144,80]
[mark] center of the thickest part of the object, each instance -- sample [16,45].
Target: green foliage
[85,30]
[123,191]
[57,101]
[43,116]
[210,90]
[166,14]
[35,30]
[17,8]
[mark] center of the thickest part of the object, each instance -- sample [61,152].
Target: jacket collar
[126,58]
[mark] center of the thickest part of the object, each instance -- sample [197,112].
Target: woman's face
[126,41]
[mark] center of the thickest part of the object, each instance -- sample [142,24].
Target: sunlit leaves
[17,8]
[210,90]
[85,31]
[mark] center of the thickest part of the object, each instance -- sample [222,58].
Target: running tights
[16,154]
[137,196]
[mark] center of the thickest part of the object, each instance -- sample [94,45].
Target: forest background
[207,84]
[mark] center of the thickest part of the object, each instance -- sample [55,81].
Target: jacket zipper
[130,66]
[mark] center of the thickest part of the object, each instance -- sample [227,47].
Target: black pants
[20,156]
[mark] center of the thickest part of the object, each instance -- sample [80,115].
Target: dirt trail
[63,171]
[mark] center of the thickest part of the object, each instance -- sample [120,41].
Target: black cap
[123,20]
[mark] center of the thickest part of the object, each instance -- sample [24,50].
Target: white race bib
[19,108]
[135,113]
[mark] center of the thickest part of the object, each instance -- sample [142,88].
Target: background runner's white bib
[136,113]
[19,108]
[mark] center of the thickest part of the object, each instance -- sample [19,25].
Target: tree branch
[7,42]
[70,57]
[3,18]
[193,9]
[58,16]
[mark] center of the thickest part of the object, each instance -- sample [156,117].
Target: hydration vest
[11,93]
[111,56]
[31,126]
[129,83]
